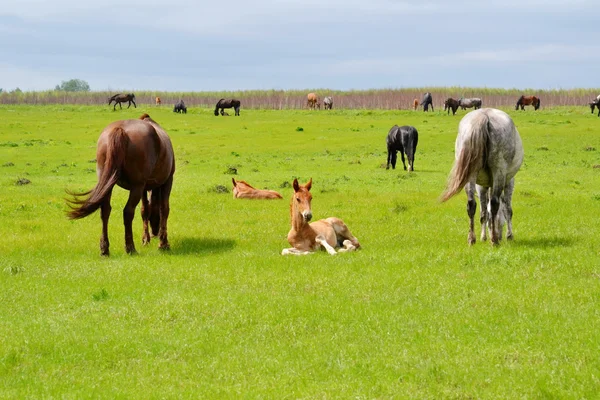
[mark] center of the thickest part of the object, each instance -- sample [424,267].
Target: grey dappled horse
[489,153]
[427,101]
[475,102]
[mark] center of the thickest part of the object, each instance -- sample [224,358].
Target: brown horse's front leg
[165,192]
[105,209]
[135,194]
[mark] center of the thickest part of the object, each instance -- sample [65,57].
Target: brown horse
[122,98]
[313,101]
[451,104]
[137,155]
[158,101]
[243,190]
[327,233]
[415,104]
[528,101]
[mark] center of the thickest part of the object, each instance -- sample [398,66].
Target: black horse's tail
[115,155]
[217,106]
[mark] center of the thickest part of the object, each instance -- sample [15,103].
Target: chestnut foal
[327,233]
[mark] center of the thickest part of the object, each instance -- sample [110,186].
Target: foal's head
[301,200]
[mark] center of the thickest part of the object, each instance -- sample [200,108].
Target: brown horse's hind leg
[105,209]
[165,192]
[145,218]
[135,194]
[342,232]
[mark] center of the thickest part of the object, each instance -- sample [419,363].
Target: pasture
[416,313]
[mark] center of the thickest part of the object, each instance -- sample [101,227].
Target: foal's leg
[135,194]
[145,217]
[471,208]
[483,214]
[507,199]
[294,251]
[323,242]
[105,209]
[165,192]
[342,232]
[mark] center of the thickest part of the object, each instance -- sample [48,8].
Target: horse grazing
[475,102]
[402,139]
[451,104]
[229,103]
[313,101]
[180,107]
[528,101]
[415,104]
[489,153]
[427,101]
[328,103]
[122,98]
[243,190]
[306,238]
[137,155]
[158,101]
[595,103]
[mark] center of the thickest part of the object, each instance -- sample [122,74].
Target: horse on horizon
[427,101]
[305,237]
[227,103]
[451,104]
[402,139]
[313,101]
[137,155]
[243,190]
[474,102]
[528,101]
[180,107]
[328,103]
[489,153]
[122,98]
[595,103]
[158,101]
[415,104]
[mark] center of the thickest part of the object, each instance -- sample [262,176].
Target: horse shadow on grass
[202,246]
[544,242]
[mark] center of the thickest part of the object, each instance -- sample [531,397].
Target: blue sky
[298,44]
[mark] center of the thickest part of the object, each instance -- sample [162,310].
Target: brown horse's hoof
[131,250]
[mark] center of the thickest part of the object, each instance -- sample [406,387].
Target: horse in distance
[470,103]
[243,190]
[451,104]
[415,104]
[122,98]
[227,103]
[137,155]
[595,103]
[180,107]
[312,101]
[488,155]
[158,101]
[528,101]
[403,139]
[328,103]
[305,237]
[427,101]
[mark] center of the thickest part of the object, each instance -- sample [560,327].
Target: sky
[190,45]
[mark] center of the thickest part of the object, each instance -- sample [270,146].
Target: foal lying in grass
[327,233]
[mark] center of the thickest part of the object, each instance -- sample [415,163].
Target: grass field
[416,313]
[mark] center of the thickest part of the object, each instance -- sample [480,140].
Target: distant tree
[73,85]
[17,90]
[0,90]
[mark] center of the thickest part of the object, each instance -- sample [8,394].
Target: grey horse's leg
[507,200]
[483,215]
[471,208]
[495,194]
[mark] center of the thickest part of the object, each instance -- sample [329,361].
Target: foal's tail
[115,155]
[471,156]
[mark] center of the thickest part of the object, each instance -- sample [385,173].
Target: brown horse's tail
[115,155]
[471,156]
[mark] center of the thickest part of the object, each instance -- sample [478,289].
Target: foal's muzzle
[307,216]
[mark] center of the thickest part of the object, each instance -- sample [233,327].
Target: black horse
[403,139]
[180,107]
[229,103]
[427,101]
[451,104]
[122,98]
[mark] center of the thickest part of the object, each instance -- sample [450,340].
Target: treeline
[296,99]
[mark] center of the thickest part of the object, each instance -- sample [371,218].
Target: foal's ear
[308,185]
[296,185]
[233,180]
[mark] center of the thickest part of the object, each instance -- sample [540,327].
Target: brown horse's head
[301,200]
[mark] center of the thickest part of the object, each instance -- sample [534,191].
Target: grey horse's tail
[471,156]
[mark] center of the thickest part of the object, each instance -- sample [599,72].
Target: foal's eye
[298,199]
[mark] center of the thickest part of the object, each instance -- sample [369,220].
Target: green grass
[417,313]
